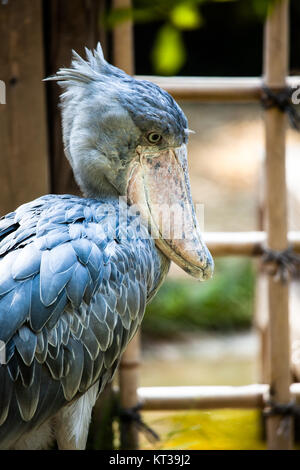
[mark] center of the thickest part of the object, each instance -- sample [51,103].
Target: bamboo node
[281,98]
[281,264]
[285,410]
[133,415]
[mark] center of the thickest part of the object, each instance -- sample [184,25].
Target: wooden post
[276,60]
[128,383]
[123,56]
[101,432]
[23,133]
[123,49]
[68,25]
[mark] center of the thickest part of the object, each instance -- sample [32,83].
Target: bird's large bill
[159,185]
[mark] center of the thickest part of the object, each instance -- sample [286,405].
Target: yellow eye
[154,137]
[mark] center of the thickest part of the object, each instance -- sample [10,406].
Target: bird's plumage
[73,290]
[76,273]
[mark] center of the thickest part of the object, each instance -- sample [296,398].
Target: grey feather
[98,366]
[7,281]
[27,263]
[40,314]
[28,397]
[121,304]
[87,373]
[13,368]
[82,248]
[26,342]
[90,342]
[14,308]
[57,309]
[51,282]
[6,390]
[101,331]
[133,299]
[27,373]
[77,285]
[71,381]
[56,365]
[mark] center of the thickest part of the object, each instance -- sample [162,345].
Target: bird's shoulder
[66,251]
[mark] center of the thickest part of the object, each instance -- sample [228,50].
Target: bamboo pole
[252,396]
[123,41]
[261,290]
[214,90]
[128,398]
[276,60]
[123,54]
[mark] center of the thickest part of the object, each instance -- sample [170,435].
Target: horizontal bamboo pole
[203,397]
[243,243]
[236,89]
[252,396]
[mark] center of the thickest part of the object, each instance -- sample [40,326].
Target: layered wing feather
[72,294]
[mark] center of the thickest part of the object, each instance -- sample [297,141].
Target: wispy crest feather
[83,71]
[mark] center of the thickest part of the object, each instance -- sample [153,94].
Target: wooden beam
[276,59]
[215,90]
[23,136]
[252,396]
[243,243]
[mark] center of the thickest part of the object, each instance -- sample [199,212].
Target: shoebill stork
[75,272]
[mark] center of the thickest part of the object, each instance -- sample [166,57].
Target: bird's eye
[154,137]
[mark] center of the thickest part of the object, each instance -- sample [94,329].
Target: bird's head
[127,137]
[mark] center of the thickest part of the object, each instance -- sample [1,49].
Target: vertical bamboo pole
[128,384]
[276,64]
[123,54]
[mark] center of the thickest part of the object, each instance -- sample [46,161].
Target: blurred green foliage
[223,303]
[168,53]
[175,17]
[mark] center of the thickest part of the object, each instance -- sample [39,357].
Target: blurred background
[193,334]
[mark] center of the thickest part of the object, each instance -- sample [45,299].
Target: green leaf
[168,54]
[186,16]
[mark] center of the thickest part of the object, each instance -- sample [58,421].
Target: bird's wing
[71,297]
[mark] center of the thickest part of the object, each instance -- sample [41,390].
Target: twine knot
[286,411]
[280,98]
[281,264]
[133,415]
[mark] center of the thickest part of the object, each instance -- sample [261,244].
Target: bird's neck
[96,186]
